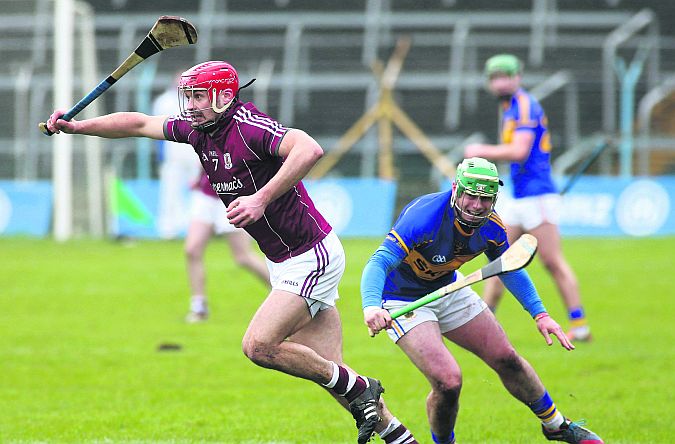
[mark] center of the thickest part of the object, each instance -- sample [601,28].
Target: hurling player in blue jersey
[434,235]
[525,142]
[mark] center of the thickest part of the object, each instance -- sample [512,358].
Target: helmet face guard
[475,177]
[212,78]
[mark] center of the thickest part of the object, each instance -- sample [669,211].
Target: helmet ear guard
[214,102]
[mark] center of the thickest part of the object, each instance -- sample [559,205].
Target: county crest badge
[227,160]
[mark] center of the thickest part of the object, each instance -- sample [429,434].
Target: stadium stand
[320,56]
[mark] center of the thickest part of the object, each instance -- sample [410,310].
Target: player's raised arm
[110,126]
[516,151]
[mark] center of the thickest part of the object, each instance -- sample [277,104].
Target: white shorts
[210,210]
[313,275]
[530,212]
[451,312]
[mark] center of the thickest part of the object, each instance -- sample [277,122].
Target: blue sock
[576,313]
[546,411]
[447,441]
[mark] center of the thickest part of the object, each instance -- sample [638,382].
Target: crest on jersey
[227,160]
[204,158]
[438,259]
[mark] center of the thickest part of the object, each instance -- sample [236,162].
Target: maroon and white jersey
[205,186]
[239,158]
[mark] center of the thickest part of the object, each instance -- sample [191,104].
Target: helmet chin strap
[474,224]
[207,127]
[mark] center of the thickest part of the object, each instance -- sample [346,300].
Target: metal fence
[593,69]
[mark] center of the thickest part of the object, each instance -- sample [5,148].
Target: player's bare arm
[111,126]
[516,151]
[300,152]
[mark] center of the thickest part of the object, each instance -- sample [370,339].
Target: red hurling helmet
[212,77]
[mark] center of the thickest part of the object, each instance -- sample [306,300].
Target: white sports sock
[198,304]
[555,422]
[335,377]
[350,383]
[391,427]
[402,435]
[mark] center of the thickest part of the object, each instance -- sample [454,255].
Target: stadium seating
[321,52]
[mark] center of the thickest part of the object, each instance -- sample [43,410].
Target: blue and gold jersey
[432,245]
[533,176]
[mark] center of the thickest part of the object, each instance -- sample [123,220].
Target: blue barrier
[595,206]
[353,207]
[25,208]
[614,206]
[144,193]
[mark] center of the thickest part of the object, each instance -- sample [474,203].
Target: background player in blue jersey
[434,235]
[525,142]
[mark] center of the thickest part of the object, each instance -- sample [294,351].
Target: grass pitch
[80,324]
